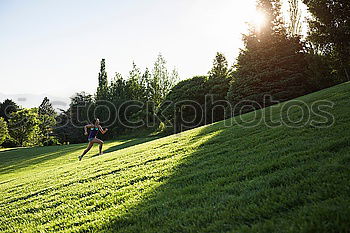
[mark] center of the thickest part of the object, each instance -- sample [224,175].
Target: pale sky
[55,46]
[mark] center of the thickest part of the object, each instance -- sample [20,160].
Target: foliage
[102,89]
[136,84]
[199,100]
[210,179]
[118,90]
[162,81]
[47,119]
[10,143]
[219,78]
[319,71]
[7,107]
[24,127]
[51,141]
[177,109]
[220,67]
[330,30]
[272,64]
[3,130]
[46,108]
[119,94]
[69,127]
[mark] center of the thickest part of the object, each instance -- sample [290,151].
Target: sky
[50,47]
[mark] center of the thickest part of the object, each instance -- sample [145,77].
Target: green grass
[210,179]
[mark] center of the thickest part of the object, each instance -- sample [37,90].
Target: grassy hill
[247,177]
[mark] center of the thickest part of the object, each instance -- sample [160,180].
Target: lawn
[246,177]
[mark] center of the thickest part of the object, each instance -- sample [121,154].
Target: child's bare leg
[100,142]
[86,150]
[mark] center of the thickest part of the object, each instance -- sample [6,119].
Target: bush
[51,141]
[10,143]
[320,72]
[175,109]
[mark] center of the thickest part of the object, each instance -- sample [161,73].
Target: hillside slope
[247,177]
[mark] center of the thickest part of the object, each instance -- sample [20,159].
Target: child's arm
[101,130]
[86,127]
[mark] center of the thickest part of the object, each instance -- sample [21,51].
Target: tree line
[120,103]
[276,64]
[27,127]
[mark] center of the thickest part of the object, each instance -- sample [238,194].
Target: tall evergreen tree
[102,105]
[330,30]
[47,116]
[220,67]
[46,108]
[218,82]
[272,63]
[102,89]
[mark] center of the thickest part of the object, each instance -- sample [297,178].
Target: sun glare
[259,20]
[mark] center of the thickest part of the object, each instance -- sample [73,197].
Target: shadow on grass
[18,158]
[260,181]
[126,144]
[129,143]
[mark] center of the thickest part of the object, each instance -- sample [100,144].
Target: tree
[220,67]
[80,108]
[63,128]
[6,108]
[271,64]
[24,127]
[295,23]
[46,108]
[3,130]
[118,92]
[102,89]
[70,122]
[145,82]
[218,82]
[102,107]
[162,81]
[320,71]
[81,112]
[135,84]
[184,106]
[47,116]
[329,30]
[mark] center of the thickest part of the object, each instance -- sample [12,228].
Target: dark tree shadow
[129,143]
[18,158]
[14,159]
